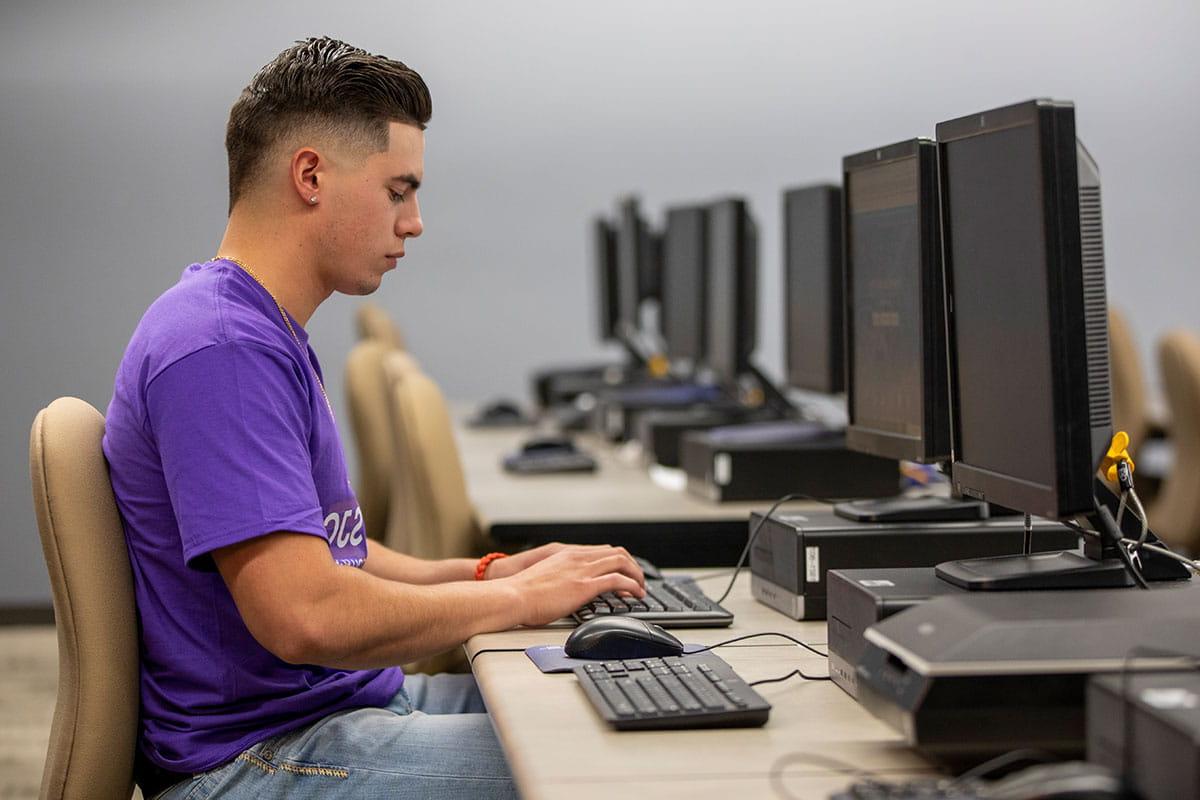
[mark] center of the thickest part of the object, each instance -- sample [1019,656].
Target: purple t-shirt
[218,433]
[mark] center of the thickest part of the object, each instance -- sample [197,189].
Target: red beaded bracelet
[482,566]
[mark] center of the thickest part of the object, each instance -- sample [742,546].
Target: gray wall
[113,172]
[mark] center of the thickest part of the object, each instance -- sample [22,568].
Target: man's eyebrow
[410,179]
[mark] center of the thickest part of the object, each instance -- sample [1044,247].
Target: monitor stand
[1099,566]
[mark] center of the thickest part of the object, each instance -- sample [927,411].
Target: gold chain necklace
[246,268]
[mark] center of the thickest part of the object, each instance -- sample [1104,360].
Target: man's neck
[280,259]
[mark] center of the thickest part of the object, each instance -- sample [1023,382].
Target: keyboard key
[616,699]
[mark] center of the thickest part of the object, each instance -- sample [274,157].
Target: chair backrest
[431,514]
[1130,403]
[1175,512]
[374,324]
[371,424]
[94,731]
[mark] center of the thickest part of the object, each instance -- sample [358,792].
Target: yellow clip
[1118,451]
[658,366]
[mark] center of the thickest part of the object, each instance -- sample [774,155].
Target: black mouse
[612,638]
[500,410]
[548,444]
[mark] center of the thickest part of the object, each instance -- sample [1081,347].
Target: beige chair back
[374,324]
[1175,512]
[432,515]
[94,731]
[371,425]
[1130,402]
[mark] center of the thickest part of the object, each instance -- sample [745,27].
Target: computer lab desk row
[560,748]
[618,504]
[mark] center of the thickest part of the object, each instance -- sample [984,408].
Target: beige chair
[374,324]
[431,514]
[94,731]
[371,425]
[1130,403]
[1175,512]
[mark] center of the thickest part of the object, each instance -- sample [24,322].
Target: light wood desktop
[560,748]
[619,504]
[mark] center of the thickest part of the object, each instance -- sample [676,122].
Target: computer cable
[782,678]
[478,653]
[757,528]
[743,638]
[835,765]
[1133,543]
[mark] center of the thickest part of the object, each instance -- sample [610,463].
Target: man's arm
[384,562]
[306,609]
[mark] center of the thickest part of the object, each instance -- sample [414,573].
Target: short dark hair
[324,84]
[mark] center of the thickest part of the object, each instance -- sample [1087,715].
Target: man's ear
[307,174]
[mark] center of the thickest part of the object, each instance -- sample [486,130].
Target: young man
[269,628]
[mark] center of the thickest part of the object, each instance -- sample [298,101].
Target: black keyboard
[696,691]
[674,602]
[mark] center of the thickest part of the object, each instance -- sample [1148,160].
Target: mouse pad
[551,658]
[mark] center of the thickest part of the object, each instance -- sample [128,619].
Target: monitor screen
[995,237]
[884,257]
[812,254]
[604,264]
[684,271]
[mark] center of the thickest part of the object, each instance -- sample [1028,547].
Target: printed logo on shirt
[346,533]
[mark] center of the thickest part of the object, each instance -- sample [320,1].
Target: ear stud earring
[312,201]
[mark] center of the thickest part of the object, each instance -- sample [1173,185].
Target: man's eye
[397,197]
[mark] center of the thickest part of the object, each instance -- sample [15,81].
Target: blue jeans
[434,740]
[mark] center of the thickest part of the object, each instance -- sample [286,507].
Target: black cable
[828,762]
[791,674]
[792,639]
[478,653]
[1110,527]
[754,534]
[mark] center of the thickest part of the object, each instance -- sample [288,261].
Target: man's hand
[506,567]
[560,581]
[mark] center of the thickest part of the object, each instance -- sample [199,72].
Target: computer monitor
[633,264]
[732,303]
[604,263]
[684,276]
[812,263]
[896,374]
[1028,338]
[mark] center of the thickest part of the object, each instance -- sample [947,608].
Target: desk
[618,504]
[559,747]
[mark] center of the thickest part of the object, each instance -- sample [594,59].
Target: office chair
[1175,512]
[371,426]
[431,513]
[374,324]
[94,731]
[1130,404]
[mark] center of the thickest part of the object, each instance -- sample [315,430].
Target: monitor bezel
[934,442]
[1072,492]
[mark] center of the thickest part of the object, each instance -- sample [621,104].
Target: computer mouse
[500,410]
[612,638]
[548,444]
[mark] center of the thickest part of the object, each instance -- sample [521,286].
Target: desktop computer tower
[1147,727]
[976,674]
[858,598]
[661,431]
[725,469]
[794,552]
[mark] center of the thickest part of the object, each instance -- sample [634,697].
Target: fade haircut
[324,86]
